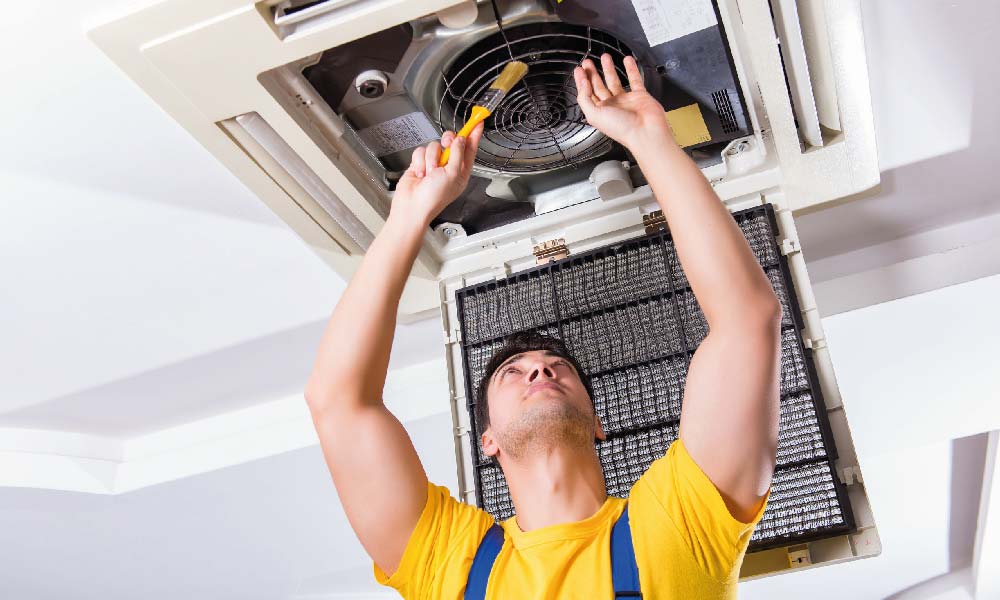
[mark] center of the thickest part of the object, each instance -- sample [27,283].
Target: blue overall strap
[624,571]
[482,564]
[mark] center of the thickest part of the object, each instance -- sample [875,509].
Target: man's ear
[490,446]
[599,429]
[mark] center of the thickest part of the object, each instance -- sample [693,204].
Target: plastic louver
[628,315]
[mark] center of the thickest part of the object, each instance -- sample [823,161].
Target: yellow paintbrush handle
[479,114]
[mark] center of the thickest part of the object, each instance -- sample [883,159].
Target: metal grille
[539,126]
[724,108]
[628,315]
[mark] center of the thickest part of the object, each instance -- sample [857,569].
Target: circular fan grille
[539,126]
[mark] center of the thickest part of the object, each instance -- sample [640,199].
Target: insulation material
[627,313]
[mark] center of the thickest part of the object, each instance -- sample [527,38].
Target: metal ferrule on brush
[512,72]
[490,99]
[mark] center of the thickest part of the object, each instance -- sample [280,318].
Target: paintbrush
[490,100]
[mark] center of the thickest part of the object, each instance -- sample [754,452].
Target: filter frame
[771,259]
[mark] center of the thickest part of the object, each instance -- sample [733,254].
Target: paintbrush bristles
[511,74]
[489,101]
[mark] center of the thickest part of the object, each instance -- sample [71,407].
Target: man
[693,511]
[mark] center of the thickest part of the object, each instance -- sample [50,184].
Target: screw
[670,65]
[743,146]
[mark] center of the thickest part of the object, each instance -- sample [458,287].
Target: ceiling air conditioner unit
[316,105]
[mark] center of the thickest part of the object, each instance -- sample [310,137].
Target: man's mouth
[536,387]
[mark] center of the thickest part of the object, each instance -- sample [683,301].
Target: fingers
[472,147]
[585,92]
[596,83]
[454,166]
[461,156]
[611,74]
[417,163]
[634,75]
[432,155]
[463,152]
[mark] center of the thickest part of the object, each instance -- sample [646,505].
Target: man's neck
[556,485]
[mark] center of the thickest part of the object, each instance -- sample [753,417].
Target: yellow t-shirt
[687,544]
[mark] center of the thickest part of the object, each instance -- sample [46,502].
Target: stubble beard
[544,425]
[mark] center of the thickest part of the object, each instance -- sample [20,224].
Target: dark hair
[518,343]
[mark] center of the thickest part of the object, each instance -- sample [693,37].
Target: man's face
[538,396]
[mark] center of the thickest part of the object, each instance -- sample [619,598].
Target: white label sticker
[401,133]
[666,20]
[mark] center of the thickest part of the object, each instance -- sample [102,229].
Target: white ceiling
[933,81]
[126,247]
[139,273]
[145,287]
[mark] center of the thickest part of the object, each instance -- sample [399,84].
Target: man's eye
[509,370]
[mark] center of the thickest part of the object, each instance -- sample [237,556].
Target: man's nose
[540,368]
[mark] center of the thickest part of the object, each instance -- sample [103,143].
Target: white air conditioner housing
[231,73]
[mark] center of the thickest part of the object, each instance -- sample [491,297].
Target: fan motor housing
[538,140]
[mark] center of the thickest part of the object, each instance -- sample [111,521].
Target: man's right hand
[628,117]
[426,188]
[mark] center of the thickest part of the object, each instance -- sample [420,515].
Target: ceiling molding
[75,462]
[948,267]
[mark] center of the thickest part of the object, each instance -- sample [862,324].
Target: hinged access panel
[627,313]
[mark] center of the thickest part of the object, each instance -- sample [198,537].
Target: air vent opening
[539,151]
[724,108]
[539,127]
[808,69]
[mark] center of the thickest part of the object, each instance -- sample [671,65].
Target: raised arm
[379,478]
[729,419]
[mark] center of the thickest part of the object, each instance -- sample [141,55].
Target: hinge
[789,247]
[654,221]
[550,250]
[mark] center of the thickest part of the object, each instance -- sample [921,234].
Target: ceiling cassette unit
[317,105]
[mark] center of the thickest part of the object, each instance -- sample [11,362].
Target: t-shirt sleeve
[677,488]
[444,534]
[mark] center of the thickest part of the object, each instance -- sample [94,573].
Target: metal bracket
[789,247]
[550,251]
[850,475]
[654,221]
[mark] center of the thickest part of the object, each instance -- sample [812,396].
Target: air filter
[628,315]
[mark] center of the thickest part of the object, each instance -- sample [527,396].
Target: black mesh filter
[640,396]
[627,314]
[626,457]
[805,501]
